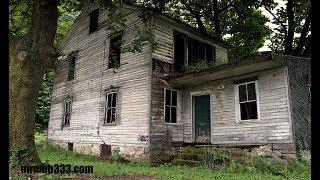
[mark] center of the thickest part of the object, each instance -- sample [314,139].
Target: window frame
[164,106]
[115,35]
[64,124]
[237,103]
[106,108]
[187,40]
[71,56]
[91,14]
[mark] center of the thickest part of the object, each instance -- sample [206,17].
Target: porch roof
[253,64]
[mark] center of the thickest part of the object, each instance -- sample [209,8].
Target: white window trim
[106,108]
[237,104]
[177,107]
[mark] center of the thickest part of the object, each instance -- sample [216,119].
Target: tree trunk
[216,20]
[303,35]
[289,39]
[29,58]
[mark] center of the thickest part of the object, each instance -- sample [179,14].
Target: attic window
[94,17]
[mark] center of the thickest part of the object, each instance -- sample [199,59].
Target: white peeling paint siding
[274,126]
[92,77]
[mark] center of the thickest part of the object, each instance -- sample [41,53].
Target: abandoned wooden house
[142,102]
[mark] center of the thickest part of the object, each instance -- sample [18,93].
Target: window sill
[248,121]
[172,124]
[109,124]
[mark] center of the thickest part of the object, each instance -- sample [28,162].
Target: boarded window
[170,106]
[72,65]
[247,101]
[111,106]
[115,50]
[67,112]
[94,18]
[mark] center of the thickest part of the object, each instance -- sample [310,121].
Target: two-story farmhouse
[140,102]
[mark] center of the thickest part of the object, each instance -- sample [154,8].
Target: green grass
[55,155]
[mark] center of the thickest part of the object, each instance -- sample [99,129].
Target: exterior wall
[274,126]
[299,72]
[164,34]
[92,77]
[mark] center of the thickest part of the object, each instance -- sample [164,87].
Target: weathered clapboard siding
[92,77]
[274,126]
[163,29]
[299,80]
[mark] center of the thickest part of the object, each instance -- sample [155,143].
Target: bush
[269,165]
[214,156]
[117,157]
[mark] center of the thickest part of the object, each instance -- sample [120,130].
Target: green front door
[201,107]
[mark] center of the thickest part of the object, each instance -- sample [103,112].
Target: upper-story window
[67,112]
[72,66]
[94,18]
[247,102]
[115,50]
[189,51]
[170,106]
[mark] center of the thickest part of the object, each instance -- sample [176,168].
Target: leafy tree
[293,34]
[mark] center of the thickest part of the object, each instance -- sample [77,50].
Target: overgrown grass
[55,155]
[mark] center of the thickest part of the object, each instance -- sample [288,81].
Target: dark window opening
[67,113]
[110,115]
[70,146]
[179,51]
[188,51]
[94,17]
[171,106]
[72,65]
[248,101]
[115,51]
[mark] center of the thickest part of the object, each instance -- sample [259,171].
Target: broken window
[115,50]
[111,104]
[94,17]
[247,100]
[67,112]
[72,65]
[170,106]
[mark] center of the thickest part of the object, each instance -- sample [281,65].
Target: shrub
[214,156]
[269,165]
[116,156]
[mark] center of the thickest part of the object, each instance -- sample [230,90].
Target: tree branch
[303,34]
[195,14]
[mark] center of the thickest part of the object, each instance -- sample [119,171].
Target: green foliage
[116,156]
[214,156]
[55,155]
[19,17]
[142,35]
[198,66]
[269,165]
[44,99]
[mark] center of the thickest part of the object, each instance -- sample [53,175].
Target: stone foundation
[130,153]
[282,150]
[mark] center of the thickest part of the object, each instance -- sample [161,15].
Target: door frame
[200,93]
